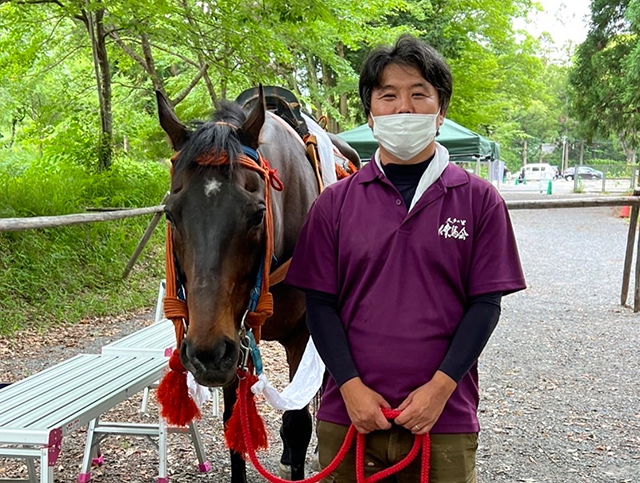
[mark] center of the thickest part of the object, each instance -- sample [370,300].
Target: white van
[537,171]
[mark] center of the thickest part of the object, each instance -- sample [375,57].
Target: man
[404,265]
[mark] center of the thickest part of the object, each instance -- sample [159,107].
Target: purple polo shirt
[402,280]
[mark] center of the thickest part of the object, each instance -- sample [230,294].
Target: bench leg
[31,467]
[46,471]
[162,451]
[91,452]
[145,401]
[203,466]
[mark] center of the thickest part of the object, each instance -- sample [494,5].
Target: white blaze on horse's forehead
[212,186]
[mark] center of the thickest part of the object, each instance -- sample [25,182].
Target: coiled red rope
[421,442]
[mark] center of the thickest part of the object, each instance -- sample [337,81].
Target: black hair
[410,52]
[217,136]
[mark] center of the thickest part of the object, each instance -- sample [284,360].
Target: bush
[61,275]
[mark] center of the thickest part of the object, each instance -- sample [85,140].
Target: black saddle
[281,102]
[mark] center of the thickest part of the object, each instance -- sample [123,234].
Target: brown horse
[217,214]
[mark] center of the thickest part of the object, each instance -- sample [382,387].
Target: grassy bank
[61,275]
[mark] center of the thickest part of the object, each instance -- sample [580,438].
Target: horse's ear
[252,126]
[176,131]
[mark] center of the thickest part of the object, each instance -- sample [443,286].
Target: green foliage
[64,274]
[603,83]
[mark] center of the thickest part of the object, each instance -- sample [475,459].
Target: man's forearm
[329,336]
[472,335]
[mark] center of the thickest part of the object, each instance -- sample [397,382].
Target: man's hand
[363,405]
[422,408]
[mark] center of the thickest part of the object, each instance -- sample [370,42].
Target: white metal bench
[157,340]
[37,412]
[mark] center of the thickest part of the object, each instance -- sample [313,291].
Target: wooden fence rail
[18,224]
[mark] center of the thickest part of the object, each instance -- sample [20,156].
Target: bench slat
[152,341]
[92,387]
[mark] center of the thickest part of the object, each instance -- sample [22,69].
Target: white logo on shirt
[453,228]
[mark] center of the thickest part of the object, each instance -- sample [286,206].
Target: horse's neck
[285,151]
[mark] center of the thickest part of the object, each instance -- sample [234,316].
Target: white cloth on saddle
[325,150]
[301,390]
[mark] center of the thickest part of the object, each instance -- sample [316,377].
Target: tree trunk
[629,152]
[329,82]
[151,65]
[344,108]
[314,88]
[14,122]
[524,153]
[582,152]
[95,28]
[201,60]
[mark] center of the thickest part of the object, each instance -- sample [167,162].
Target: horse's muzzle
[213,367]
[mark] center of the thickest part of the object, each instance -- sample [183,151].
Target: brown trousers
[453,456]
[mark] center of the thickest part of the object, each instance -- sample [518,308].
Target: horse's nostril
[222,356]
[231,351]
[230,355]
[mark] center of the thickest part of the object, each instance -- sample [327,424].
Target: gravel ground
[560,398]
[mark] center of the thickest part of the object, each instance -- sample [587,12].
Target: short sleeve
[495,263]
[314,263]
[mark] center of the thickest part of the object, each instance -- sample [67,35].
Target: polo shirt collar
[439,171]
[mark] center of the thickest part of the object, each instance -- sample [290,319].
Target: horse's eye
[256,218]
[169,218]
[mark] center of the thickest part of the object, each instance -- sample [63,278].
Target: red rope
[421,442]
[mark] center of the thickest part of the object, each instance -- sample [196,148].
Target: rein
[422,443]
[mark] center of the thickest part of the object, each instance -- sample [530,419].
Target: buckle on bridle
[245,345]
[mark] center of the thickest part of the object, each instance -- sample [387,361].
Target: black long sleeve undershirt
[473,332]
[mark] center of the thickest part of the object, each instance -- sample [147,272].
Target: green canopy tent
[462,143]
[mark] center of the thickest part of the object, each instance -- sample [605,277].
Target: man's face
[403,90]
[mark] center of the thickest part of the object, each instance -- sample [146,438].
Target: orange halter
[177,407]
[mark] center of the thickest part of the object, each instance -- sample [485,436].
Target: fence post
[604,178]
[628,258]
[636,292]
[144,240]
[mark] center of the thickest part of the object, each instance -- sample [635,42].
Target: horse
[217,214]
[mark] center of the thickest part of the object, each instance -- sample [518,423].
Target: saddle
[285,105]
[281,102]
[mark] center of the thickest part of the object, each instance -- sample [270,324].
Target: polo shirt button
[398,202]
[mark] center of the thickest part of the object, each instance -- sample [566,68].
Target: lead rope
[421,442]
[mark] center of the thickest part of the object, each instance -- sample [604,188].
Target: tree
[603,95]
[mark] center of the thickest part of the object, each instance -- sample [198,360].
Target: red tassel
[233,429]
[178,409]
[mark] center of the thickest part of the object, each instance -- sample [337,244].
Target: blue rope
[252,153]
[255,292]
[255,353]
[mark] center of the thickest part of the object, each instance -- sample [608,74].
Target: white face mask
[405,135]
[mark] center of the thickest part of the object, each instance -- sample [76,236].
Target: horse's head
[217,211]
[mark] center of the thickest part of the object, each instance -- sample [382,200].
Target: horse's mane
[216,136]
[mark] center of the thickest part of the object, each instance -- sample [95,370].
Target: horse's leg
[296,425]
[238,466]
[296,434]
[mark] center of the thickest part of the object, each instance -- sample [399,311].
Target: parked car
[537,171]
[584,172]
